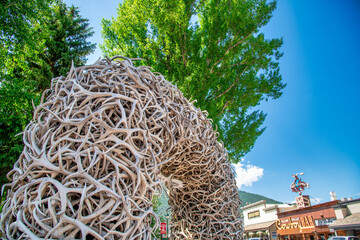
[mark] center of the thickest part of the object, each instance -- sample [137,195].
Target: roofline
[345,203]
[331,203]
[254,204]
[353,200]
[339,206]
[348,226]
[271,207]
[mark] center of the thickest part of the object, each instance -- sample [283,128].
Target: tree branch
[225,105]
[9,5]
[231,47]
[232,85]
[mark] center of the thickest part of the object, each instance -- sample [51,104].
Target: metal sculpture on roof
[95,152]
[298,185]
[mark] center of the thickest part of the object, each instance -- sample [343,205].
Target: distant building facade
[260,218]
[302,221]
[347,218]
[306,222]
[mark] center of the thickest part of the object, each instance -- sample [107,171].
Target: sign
[162,228]
[300,222]
[273,235]
[324,222]
[254,214]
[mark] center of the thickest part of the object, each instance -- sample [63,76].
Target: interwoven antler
[94,153]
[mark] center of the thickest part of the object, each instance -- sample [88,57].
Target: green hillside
[163,205]
[246,198]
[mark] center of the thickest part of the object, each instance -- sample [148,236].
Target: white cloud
[247,174]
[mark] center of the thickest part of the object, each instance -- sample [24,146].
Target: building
[260,218]
[306,222]
[347,218]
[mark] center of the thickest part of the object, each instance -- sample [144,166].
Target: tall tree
[67,40]
[17,19]
[215,53]
[39,40]
[20,40]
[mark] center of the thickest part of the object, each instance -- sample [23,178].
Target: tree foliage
[39,39]
[67,39]
[212,50]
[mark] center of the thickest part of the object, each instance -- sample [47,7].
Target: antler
[94,153]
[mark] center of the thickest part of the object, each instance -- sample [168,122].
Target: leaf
[213,51]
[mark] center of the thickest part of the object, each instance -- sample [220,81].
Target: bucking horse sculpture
[298,185]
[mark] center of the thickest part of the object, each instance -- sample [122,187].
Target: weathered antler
[94,153]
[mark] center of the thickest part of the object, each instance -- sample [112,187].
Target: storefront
[266,231]
[308,223]
[348,218]
[259,219]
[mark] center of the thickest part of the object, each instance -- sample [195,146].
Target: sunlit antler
[94,153]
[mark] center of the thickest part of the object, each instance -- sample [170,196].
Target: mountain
[163,205]
[246,198]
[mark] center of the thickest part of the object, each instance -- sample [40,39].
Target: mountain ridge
[249,198]
[245,197]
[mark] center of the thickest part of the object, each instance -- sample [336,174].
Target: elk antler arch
[94,153]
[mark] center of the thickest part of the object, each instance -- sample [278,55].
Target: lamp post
[167,216]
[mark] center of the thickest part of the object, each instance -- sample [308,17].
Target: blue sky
[314,127]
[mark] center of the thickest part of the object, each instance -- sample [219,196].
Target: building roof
[254,204]
[259,226]
[310,208]
[351,201]
[349,221]
[345,203]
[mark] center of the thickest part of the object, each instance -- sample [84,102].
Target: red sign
[162,228]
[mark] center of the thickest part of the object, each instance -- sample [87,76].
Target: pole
[167,227]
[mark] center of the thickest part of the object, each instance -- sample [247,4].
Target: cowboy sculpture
[298,185]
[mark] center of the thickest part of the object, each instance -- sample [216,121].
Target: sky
[314,126]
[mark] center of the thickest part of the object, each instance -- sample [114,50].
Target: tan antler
[94,153]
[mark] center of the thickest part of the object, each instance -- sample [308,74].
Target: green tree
[20,40]
[17,19]
[39,40]
[212,50]
[67,40]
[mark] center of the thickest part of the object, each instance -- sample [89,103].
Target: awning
[259,226]
[350,222]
